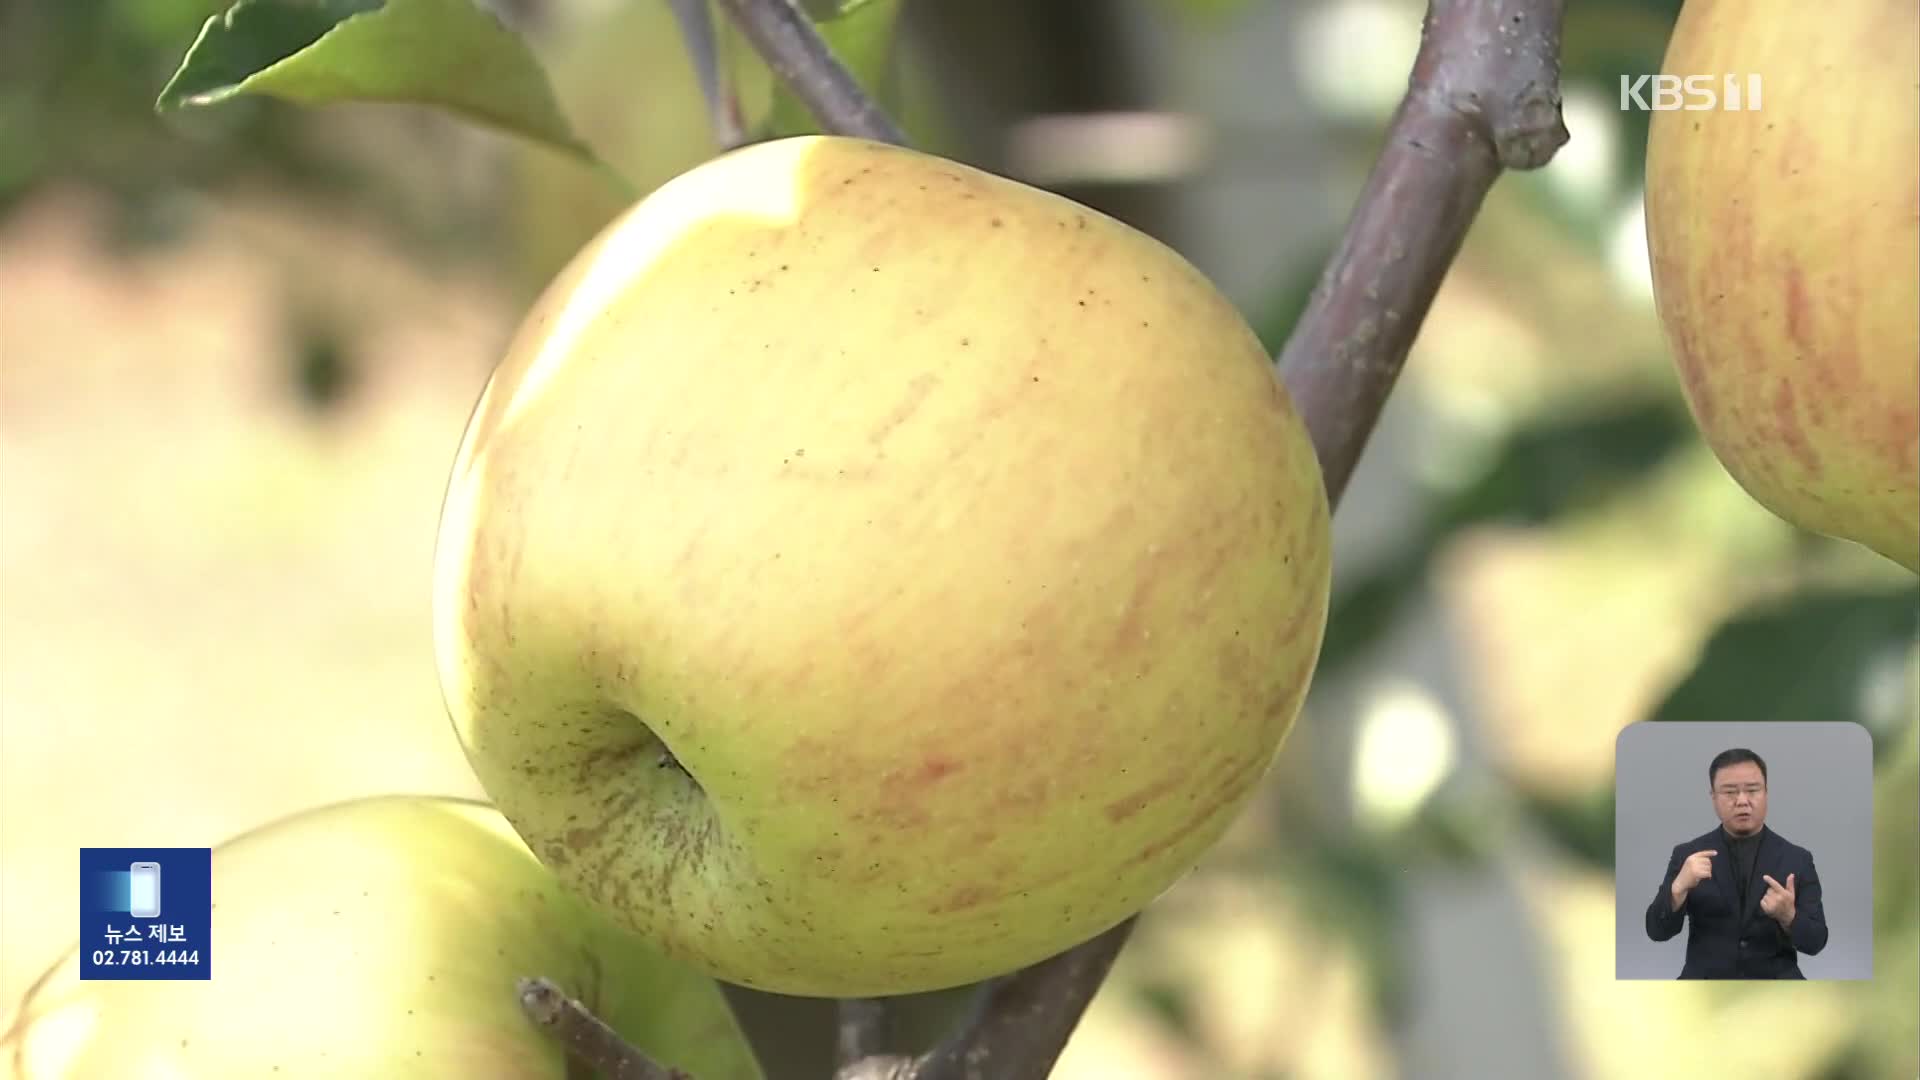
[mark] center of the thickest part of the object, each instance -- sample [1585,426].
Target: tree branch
[1484,96]
[588,1038]
[1022,1022]
[1018,1024]
[703,48]
[802,60]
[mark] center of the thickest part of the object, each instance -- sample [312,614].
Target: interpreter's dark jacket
[1731,939]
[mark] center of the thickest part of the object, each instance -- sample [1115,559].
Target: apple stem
[723,104]
[1484,96]
[787,40]
[586,1037]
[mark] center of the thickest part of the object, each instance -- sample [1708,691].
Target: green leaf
[448,53]
[1896,836]
[861,36]
[1355,888]
[1553,467]
[1560,465]
[1816,656]
[1581,824]
[1205,11]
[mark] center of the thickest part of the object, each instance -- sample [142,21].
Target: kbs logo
[1690,93]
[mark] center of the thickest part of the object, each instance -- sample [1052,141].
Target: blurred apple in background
[1785,246]
[378,937]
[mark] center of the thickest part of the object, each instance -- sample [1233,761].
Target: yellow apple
[381,937]
[865,574]
[1785,243]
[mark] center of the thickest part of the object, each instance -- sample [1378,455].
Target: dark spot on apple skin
[936,769]
[961,899]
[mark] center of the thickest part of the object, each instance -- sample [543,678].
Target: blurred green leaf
[1459,832]
[448,53]
[23,150]
[1204,11]
[1582,825]
[1812,656]
[160,23]
[1364,612]
[860,34]
[1557,465]
[1554,466]
[1168,1002]
[1286,300]
[1896,839]
[78,81]
[1354,886]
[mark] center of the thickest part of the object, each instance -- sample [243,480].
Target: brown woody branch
[1022,1022]
[1483,97]
[586,1037]
[786,39]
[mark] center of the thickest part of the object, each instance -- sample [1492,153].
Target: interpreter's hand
[1778,903]
[1697,868]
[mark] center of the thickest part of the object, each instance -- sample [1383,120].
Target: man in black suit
[1751,897]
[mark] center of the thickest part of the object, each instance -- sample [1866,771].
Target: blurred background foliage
[237,346]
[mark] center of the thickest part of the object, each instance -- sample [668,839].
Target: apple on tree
[1785,246]
[865,574]
[382,937]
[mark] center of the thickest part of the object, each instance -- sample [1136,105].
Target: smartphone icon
[144,893]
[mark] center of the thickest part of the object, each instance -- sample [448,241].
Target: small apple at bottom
[1785,243]
[377,938]
[865,574]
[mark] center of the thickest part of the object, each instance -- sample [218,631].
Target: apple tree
[1483,98]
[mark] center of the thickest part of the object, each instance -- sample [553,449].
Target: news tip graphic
[146,913]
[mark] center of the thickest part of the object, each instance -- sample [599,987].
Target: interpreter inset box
[1743,851]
